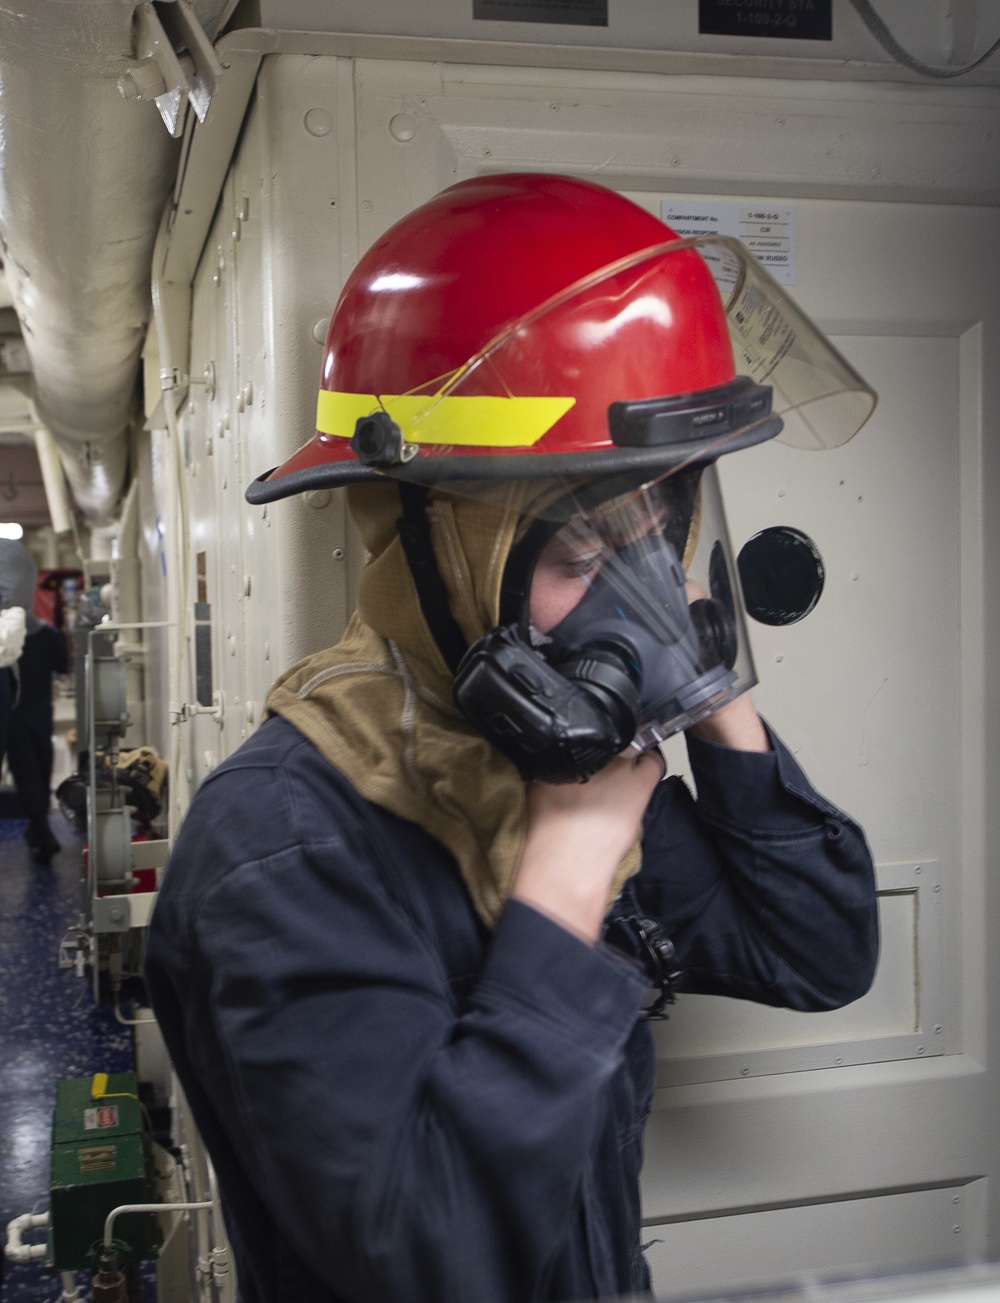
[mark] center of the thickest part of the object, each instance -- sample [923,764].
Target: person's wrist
[566,882]
[736,725]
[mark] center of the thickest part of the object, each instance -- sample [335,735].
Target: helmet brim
[664,459]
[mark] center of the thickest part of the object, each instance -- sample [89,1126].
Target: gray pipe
[84,175]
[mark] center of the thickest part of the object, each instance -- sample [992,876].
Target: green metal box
[99,1161]
[78,1116]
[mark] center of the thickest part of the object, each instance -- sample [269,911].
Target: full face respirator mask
[622,627]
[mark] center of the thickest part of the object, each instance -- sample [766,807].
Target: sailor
[28,691]
[414,931]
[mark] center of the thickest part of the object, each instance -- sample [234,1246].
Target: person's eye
[581,567]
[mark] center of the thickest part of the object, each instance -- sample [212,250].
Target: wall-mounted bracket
[181,24]
[160,74]
[183,711]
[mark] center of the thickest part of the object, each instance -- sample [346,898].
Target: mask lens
[649,573]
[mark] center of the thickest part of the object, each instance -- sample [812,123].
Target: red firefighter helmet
[525,325]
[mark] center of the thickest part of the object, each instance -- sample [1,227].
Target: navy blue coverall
[405,1107]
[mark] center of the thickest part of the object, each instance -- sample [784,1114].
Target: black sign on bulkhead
[579,13]
[797,20]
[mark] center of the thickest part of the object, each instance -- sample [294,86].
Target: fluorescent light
[12,531]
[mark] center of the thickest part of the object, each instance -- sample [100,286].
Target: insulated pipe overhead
[84,175]
[54,481]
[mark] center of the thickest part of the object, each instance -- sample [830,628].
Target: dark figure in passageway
[29,688]
[4,711]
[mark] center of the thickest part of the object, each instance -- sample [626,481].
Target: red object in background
[49,602]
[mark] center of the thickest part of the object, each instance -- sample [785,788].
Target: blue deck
[49,1029]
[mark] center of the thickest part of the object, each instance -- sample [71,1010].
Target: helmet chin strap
[414,528]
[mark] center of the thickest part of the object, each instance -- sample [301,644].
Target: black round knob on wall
[782,575]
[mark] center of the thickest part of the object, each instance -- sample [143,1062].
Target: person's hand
[578,834]
[736,724]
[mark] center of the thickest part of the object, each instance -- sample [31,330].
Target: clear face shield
[621,616]
[506,412]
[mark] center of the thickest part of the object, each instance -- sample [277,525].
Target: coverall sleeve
[414,1144]
[60,653]
[766,889]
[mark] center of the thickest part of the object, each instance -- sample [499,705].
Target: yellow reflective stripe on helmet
[474,421]
[339,413]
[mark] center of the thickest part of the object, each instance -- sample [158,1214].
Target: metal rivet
[779,659]
[402,127]
[937,886]
[246,585]
[839,1059]
[338,554]
[744,1071]
[916,868]
[317,498]
[920,1049]
[267,651]
[318,122]
[319,330]
[251,711]
[937,1029]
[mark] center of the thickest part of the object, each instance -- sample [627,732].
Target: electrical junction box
[99,1161]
